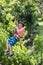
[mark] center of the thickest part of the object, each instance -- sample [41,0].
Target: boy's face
[20,25]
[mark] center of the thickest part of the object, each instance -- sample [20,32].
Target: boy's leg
[7,46]
[10,48]
[11,52]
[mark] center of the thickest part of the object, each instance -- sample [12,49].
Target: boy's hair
[21,23]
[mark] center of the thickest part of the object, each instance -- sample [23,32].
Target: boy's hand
[15,29]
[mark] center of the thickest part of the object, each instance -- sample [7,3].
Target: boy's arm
[15,29]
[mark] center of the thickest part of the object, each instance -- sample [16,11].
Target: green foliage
[27,11]
[39,44]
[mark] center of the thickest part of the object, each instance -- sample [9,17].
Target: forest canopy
[30,12]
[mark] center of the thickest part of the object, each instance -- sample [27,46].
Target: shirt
[21,32]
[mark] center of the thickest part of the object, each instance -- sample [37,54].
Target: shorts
[12,40]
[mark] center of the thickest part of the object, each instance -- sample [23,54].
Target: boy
[19,32]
